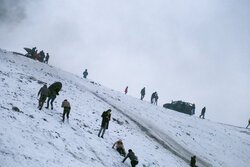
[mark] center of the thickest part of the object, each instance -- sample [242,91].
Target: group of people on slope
[51,92]
[33,54]
[106,116]
[154,96]
[131,155]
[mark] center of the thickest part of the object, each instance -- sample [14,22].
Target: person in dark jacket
[143,93]
[248,123]
[53,91]
[66,111]
[43,92]
[106,115]
[46,58]
[85,73]
[42,56]
[203,113]
[126,90]
[193,161]
[156,98]
[153,97]
[193,109]
[133,158]
[33,50]
[119,147]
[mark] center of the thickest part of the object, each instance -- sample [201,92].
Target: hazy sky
[197,51]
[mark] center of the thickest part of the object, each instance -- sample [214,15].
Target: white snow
[159,137]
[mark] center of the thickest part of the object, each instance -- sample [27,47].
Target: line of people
[154,96]
[33,54]
[53,90]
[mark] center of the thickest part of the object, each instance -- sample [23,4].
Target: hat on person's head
[65,99]
[129,150]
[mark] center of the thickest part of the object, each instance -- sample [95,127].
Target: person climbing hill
[126,90]
[203,113]
[67,107]
[143,93]
[133,158]
[53,91]
[119,147]
[43,92]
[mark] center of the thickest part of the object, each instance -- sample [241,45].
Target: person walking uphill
[43,92]
[203,113]
[132,157]
[126,90]
[53,91]
[142,93]
[248,123]
[193,161]
[106,115]
[85,73]
[66,111]
[119,147]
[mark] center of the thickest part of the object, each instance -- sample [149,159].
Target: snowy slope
[159,137]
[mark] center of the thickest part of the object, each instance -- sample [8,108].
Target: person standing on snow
[193,161]
[132,157]
[143,93]
[156,98]
[106,115]
[119,147]
[203,113]
[66,111]
[126,90]
[43,92]
[46,58]
[248,123]
[193,109]
[152,98]
[42,56]
[85,73]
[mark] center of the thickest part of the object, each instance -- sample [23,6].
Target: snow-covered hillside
[159,137]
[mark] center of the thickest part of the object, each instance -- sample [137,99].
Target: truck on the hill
[181,106]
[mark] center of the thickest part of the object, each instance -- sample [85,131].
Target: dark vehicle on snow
[181,106]
[32,53]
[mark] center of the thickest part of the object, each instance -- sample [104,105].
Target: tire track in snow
[159,137]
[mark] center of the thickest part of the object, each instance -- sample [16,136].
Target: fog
[196,51]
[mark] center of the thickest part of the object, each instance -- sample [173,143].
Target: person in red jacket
[126,90]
